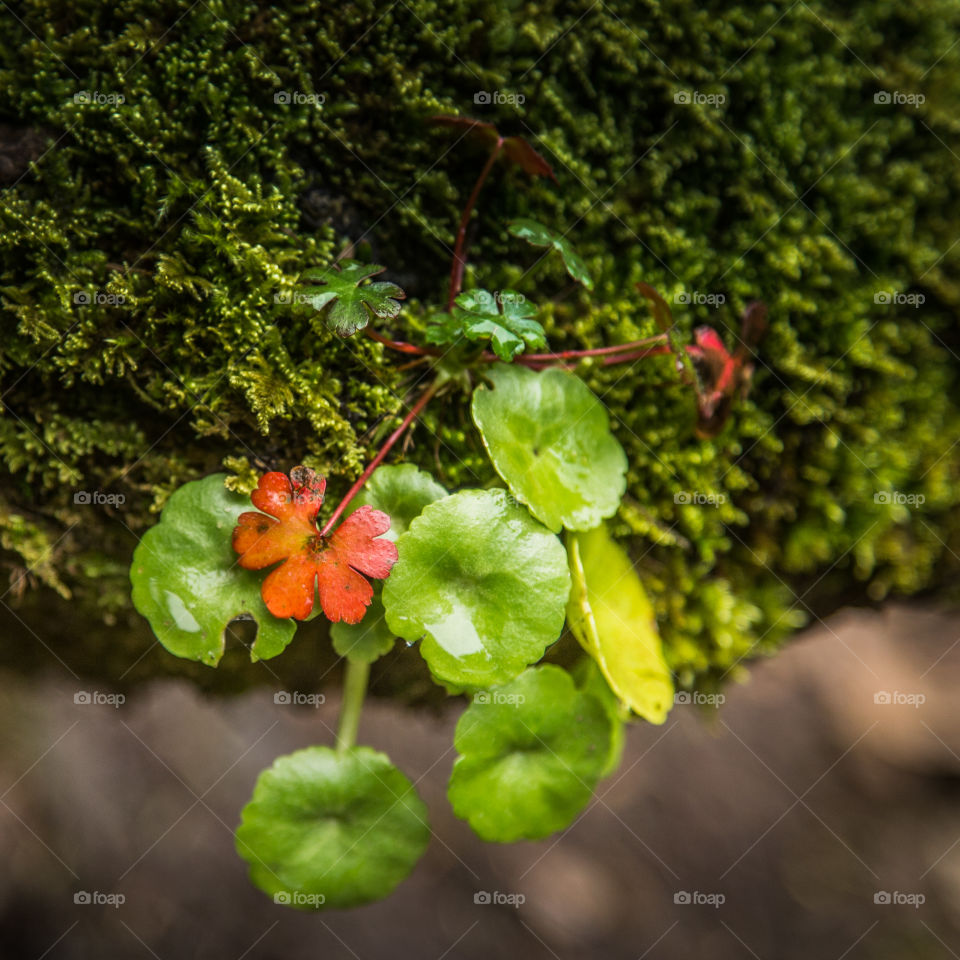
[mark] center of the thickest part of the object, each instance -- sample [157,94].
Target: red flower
[333,563]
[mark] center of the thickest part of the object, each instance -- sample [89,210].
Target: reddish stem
[401,346]
[384,450]
[459,260]
[595,351]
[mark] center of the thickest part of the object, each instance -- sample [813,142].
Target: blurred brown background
[802,802]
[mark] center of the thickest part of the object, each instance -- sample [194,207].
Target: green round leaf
[367,640]
[401,492]
[186,580]
[590,680]
[482,583]
[549,438]
[531,753]
[329,829]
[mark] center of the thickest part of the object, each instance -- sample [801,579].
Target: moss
[150,248]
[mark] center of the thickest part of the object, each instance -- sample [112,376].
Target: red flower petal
[353,539]
[302,499]
[288,591]
[344,594]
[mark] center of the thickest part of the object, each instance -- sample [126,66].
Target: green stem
[354,689]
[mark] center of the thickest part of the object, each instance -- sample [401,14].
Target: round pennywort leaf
[531,753]
[482,583]
[332,829]
[549,438]
[186,580]
[401,492]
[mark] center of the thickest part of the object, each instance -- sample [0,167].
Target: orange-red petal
[354,541]
[288,591]
[344,594]
[276,495]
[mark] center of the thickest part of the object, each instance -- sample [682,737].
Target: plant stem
[401,346]
[596,351]
[459,260]
[423,400]
[354,689]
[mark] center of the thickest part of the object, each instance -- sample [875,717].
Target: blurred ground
[801,803]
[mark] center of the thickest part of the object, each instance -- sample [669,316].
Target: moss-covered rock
[168,169]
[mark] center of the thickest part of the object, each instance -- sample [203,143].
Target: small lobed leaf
[479,584]
[549,438]
[502,318]
[186,581]
[332,829]
[612,617]
[353,299]
[531,753]
[540,236]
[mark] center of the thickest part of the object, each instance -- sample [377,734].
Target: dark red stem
[595,351]
[459,260]
[423,400]
[401,346]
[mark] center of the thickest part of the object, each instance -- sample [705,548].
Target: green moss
[185,214]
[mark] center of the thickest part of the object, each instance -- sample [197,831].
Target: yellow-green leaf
[612,617]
